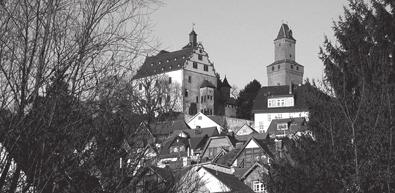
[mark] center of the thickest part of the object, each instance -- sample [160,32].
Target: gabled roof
[245,126]
[294,125]
[260,142]
[284,32]
[231,181]
[298,92]
[231,142]
[164,61]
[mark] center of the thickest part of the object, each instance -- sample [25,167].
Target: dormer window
[282,126]
[297,67]
[194,65]
[200,57]
[205,68]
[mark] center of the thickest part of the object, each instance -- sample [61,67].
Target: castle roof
[284,32]
[164,61]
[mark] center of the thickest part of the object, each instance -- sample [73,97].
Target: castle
[191,69]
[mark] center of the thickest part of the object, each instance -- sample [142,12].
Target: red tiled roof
[164,61]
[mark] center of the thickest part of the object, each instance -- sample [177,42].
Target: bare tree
[53,54]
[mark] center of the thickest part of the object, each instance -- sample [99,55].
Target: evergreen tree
[246,98]
[352,117]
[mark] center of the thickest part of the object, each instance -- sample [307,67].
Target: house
[223,123]
[200,120]
[254,150]
[279,102]
[153,179]
[190,74]
[164,129]
[284,96]
[256,177]
[279,128]
[216,145]
[218,181]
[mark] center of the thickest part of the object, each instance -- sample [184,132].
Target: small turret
[193,38]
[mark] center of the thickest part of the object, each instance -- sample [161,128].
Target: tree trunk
[5,172]
[14,180]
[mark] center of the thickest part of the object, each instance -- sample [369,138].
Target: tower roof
[193,32]
[284,32]
[225,83]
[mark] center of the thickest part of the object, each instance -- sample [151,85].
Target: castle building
[283,98]
[192,71]
[284,70]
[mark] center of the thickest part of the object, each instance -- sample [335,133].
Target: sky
[238,34]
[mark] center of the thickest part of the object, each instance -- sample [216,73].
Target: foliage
[246,99]
[352,116]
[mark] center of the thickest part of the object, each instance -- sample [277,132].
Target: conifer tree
[352,116]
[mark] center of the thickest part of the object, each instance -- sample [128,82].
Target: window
[169,80]
[140,86]
[257,186]
[261,127]
[272,68]
[297,67]
[189,79]
[282,126]
[292,66]
[194,65]
[200,57]
[186,93]
[205,68]
[278,67]
[197,99]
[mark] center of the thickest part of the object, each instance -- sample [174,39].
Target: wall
[284,49]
